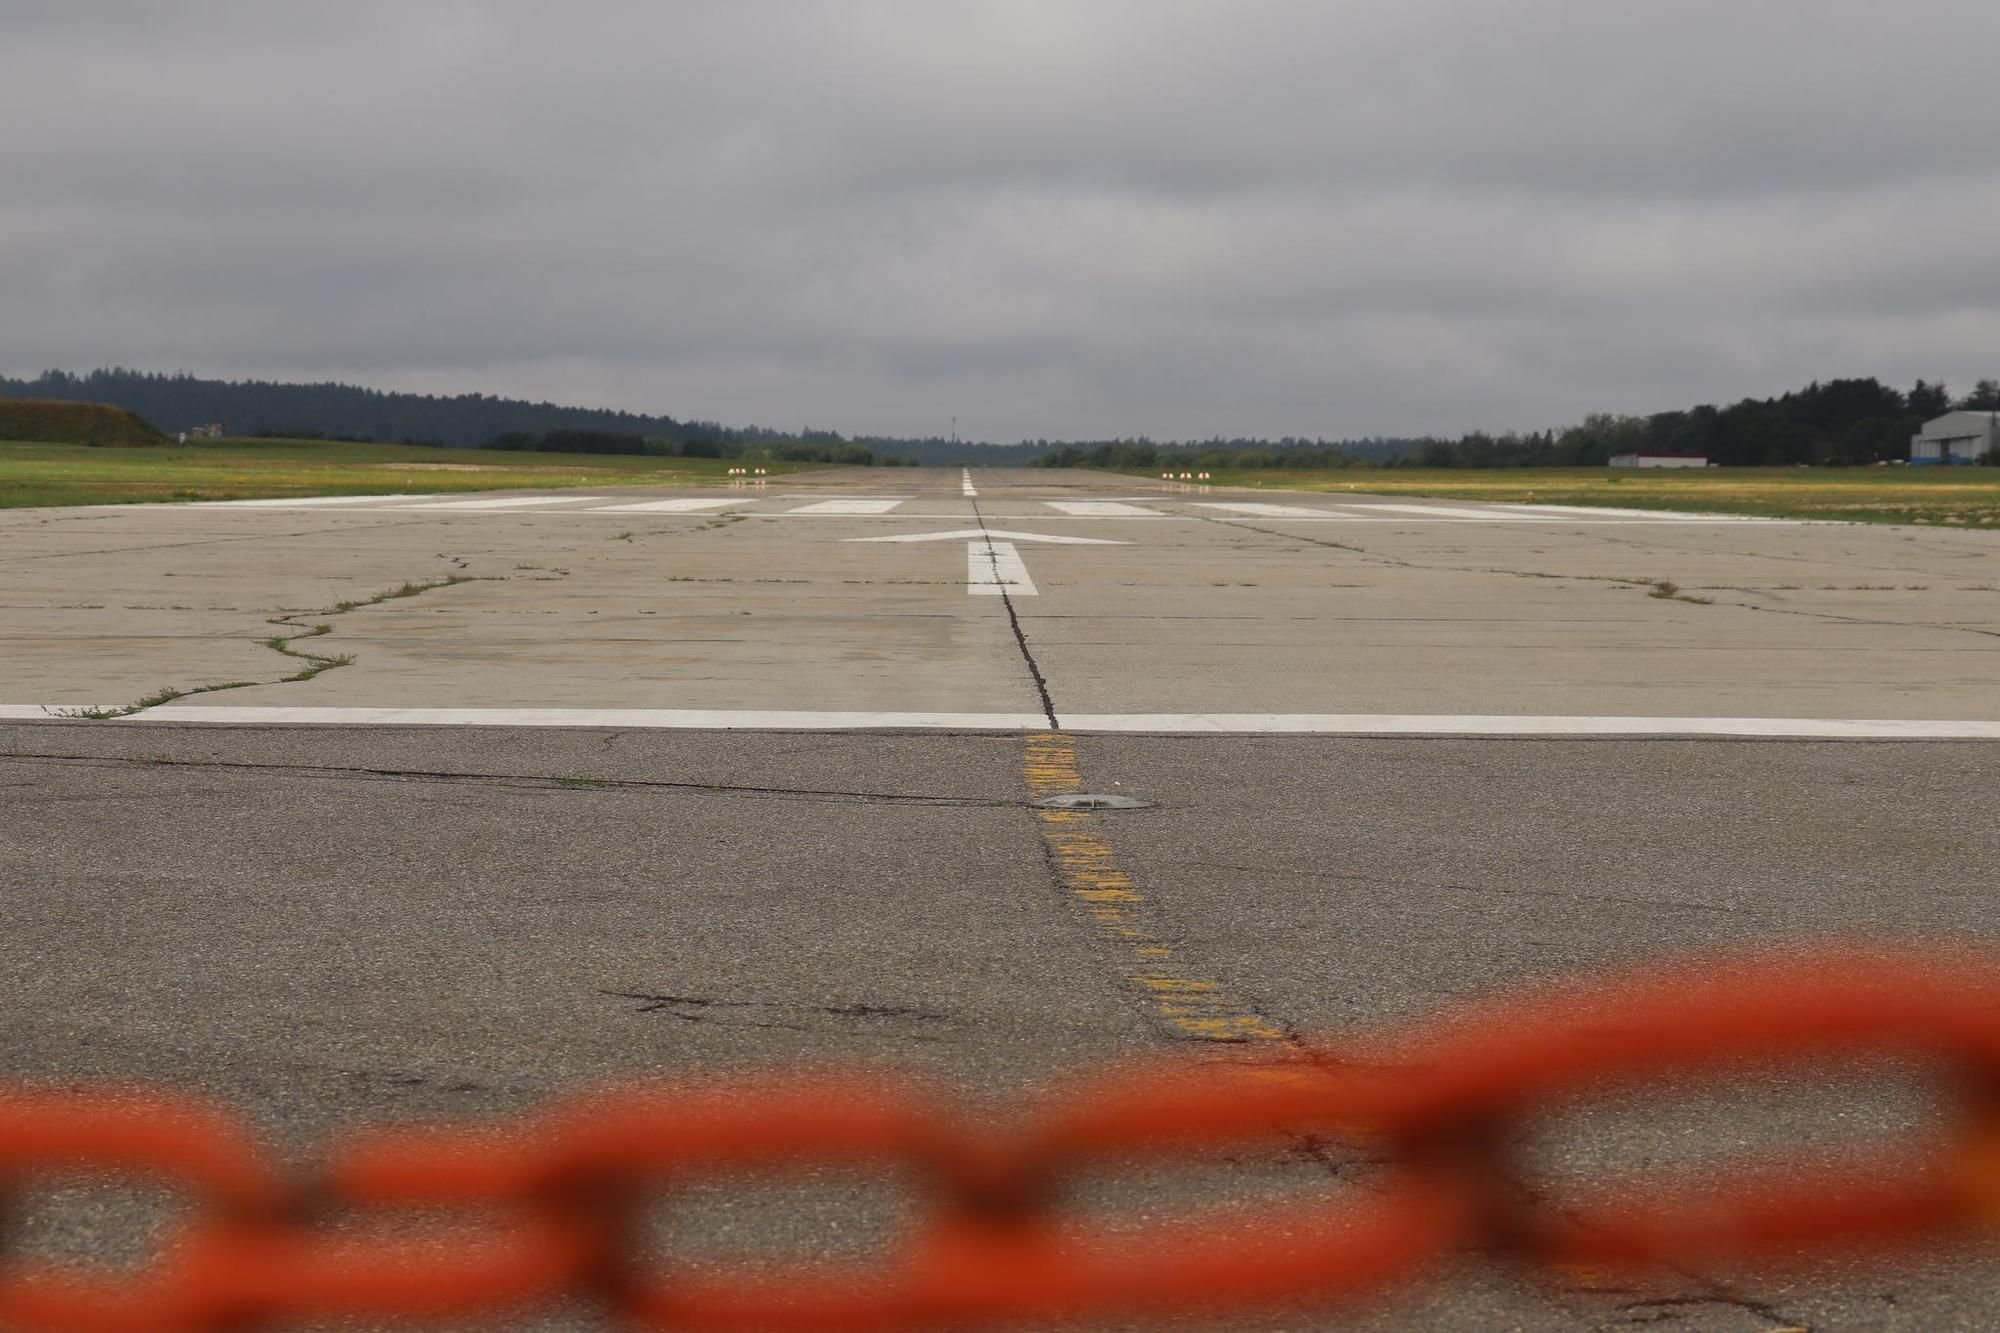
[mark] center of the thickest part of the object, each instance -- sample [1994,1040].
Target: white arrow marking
[994,568]
[980,535]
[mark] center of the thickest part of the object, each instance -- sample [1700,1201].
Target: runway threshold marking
[848,507]
[493,506]
[681,506]
[1100,509]
[306,502]
[1261,510]
[1192,1005]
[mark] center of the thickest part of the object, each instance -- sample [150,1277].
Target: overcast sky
[1070,219]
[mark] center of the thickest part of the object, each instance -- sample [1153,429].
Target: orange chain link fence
[555,1205]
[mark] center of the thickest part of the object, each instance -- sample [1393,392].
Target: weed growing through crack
[315,663]
[1669,591]
[153,700]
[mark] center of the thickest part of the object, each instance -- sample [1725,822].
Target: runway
[687,784]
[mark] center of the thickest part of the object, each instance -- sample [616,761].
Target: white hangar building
[1956,437]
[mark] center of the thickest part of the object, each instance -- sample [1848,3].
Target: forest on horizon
[1838,422]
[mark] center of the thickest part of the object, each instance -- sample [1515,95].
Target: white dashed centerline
[993,568]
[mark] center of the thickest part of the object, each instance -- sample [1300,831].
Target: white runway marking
[511,502]
[299,502]
[1100,509]
[848,507]
[965,482]
[1447,511]
[987,534]
[993,568]
[1653,515]
[1275,511]
[1320,724]
[669,507]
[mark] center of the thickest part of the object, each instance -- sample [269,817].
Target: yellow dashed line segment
[1194,1007]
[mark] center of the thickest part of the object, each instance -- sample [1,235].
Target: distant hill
[49,422]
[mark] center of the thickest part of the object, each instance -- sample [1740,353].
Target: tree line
[1846,422]
[700,446]
[1130,455]
[1841,421]
[334,411]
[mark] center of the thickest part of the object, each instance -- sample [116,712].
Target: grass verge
[1966,497]
[68,474]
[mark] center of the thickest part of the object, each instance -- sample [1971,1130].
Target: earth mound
[45,421]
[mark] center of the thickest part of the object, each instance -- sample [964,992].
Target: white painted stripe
[1324,724]
[988,534]
[684,506]
[992,568]
[1100,509]
[507,502]
[1274,511]
[679,719]
[1657,515]
[292,502]
[965,481]
[1447,511]
[1424,724]
[848,507]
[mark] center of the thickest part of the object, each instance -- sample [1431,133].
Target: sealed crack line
[1020,636]
[525,781]
[1186,1000]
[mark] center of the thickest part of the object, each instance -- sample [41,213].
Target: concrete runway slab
[335,922]
[780,603]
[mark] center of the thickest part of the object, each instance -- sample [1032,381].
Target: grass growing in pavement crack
[315,663]
[1669,591]
[153,700]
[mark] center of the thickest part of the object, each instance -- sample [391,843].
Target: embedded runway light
[1091,801]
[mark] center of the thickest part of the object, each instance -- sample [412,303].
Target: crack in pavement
[1020,636]
[1863,620]
[1400,563]
[743,1013]
[527,781]
[282,645]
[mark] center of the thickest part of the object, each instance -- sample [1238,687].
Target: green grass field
[1946,496]
[67,474]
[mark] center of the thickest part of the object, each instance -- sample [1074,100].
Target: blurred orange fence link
[558,1202]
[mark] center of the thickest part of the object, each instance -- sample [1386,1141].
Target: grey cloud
[1047,218]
